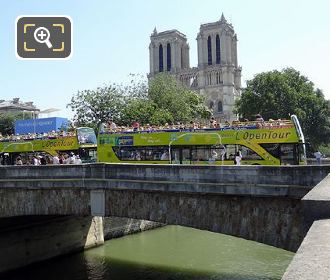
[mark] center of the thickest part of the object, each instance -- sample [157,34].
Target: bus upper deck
[266,143]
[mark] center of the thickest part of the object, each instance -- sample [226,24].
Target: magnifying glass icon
[41,35]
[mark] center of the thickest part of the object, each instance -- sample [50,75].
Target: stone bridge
[254,202]
[261,203]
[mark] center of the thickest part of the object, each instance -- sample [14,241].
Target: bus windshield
[86,135]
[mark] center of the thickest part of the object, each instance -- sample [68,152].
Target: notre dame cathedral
[217,76]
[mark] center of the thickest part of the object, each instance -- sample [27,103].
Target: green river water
[171,252]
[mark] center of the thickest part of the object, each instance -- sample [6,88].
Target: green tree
[177,102]
[164,100]
[92,107]
[7,122]
[278,94]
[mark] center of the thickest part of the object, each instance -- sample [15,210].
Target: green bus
[258,143]
[81,142]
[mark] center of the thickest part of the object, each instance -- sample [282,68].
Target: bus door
[175,155]
[186,155]
[288,154]
[181,155]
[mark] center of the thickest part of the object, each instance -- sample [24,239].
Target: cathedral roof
[167,33]
[221,22]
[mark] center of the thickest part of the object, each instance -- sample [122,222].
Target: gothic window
[217,48]
[210,79]
[168,50]
[220,109]
[161,62]
[211,105]
[217,78]
[182,58]
[209,51]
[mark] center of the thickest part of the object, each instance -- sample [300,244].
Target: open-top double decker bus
[81,142]
[260,143]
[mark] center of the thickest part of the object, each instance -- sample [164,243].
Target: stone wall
[25,243]
[114,227]
[270,175]
[27,240]
[273,221]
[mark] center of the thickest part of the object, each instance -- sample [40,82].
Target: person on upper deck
[136,125]
[259,118]
[111,126]
[213,122]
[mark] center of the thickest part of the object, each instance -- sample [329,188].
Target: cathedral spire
[155,31]
[223,19]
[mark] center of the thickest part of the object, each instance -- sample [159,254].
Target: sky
[111,40]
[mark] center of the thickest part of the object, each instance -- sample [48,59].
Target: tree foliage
[93,107]
[164,100]
[175,100]
[7,122]
[279,94]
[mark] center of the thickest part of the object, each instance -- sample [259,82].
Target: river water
[171,252]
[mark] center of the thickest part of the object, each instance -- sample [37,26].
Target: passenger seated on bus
[259,118]
[42,160]
[78,160]
[191,126]
[270,123]
[235,123]
[36,160]
[137,156]
[227,124]
[213,122]
[19,161]
[260,121]
[56,159]
[111,126]
[102,127]
[135,125]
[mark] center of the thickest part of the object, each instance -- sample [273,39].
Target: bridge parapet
[265,175]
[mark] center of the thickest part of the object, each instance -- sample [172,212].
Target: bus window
[230,152]
[175,155]
[288,154]
[200,153]
[130,153]
[248,154]
[86,135]
[87,155]
[186,156]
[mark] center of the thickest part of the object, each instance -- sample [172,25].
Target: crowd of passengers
[36,136]
[42,159]
[112,127]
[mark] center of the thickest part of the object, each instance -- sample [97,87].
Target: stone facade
[217,76]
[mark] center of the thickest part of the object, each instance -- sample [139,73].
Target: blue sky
[111,40]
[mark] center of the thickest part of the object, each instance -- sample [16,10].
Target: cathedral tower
[169,52]
[217,77]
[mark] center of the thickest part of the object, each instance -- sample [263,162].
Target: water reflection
[172,252]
